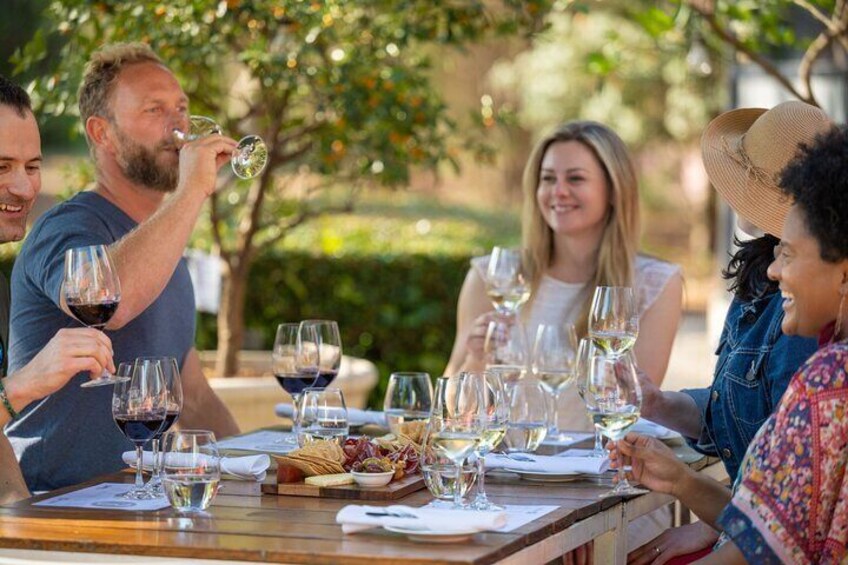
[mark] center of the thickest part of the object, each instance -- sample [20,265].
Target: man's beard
[139,165]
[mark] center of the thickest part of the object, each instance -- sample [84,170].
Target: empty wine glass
[505,348]
[250,156]
[495,419]
[409,398]
[614,319]
[192,469]
[554,351]
[587,352]
[329,344]
[139,406]
[322,416]
[505,282]
[528,415]
[614,399]
[294,361]
[91,291]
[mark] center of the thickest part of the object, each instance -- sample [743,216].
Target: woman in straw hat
[790,498]
[580,229]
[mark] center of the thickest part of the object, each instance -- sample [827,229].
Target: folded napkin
[247,468]
[355,416]
[355,518]
[649,428]
[549,464]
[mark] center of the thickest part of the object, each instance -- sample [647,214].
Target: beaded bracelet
[5,400]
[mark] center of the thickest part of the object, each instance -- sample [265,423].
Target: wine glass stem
[457,489]
[481,479]
[139,452]
[157,463]
[599,444]
[295,413]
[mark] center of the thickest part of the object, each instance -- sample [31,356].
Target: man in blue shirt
[130,103]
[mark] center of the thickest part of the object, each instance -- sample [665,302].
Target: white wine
[525,437]
[614,342]
[509,373]
[556,379]
[441,479]
[490,439]
[190,493]
[456,446]
[614,424]
[510,298]
[395,417]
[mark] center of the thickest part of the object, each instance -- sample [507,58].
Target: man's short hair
[13,95]
[102,70]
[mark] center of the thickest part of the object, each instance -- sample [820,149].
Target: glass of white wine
[505,349]
[456,424]
[528,415]
[496,417]
[250,156]
[587,352]
[409,398]
[191,469]
[614,319]
[554,351]
[506,285]
[614,399]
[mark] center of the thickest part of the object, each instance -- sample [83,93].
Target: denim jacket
[755,364]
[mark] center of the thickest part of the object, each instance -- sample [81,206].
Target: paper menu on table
[105,496]
[265,441]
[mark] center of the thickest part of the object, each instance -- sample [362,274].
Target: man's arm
[12,485]
[202,408]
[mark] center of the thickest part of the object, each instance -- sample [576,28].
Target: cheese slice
[330,480]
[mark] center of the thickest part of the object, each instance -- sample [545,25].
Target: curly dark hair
[13,95]
[747,268]
[817,179]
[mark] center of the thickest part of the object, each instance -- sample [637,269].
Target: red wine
[171,418]
[295,383]
[325,377]
[139,429]
[94,315]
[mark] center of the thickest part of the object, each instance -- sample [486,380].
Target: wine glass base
[485,505]
[104,381]
[625,491]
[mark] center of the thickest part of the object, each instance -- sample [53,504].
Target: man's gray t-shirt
[70,436]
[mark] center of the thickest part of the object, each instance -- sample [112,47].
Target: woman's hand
[673,543]
[653,464]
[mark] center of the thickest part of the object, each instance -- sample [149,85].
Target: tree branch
[816,13]
[805,68]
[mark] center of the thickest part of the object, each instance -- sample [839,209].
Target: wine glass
[322,416]
[614,399]
[249,158]
[191,470]
[329,343]
[614,319]
[528,415]
[294,361]
[91,291]
[587,352]
[553,364]
[505,283]
[139,406]
[456,424]
[505,349]
[171,375]
[409,398]
[495,418]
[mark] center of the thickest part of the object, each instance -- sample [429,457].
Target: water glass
[322,416]
[528,415]
[439,474]
[191,470]
[409,398]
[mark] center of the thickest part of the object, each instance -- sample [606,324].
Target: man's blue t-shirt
[70,436]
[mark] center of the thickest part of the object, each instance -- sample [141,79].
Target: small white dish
[373,479]
[433,536]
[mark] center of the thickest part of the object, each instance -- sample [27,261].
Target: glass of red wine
[173,385]
[91,291]
[139,406]
[294,361]
[329,343]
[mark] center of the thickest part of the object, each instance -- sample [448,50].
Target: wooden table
[284,529]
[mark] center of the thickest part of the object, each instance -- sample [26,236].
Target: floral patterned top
[790,502]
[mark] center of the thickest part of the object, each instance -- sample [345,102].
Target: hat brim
[753,200]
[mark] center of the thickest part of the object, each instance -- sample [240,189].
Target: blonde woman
[580,227]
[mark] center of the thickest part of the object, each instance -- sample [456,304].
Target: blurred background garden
[398,131]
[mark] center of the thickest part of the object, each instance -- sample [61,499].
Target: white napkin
[354,518]
[247,468]
[355,416]
[652,429]
[549,464]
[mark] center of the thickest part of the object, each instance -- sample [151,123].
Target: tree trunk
[231,319]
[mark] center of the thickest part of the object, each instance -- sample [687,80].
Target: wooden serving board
[392,491]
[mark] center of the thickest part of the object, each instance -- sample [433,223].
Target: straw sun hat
[745,150]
